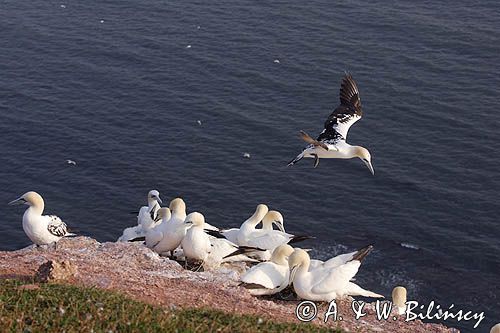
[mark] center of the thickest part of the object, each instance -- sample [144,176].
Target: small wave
[410,246]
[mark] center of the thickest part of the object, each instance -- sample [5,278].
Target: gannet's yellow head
[29,198]
[281,253]
[298,258]
[399,296]
[261,209]
[177,206]
[164,213]
[195,219]
[363,154]
[274,217]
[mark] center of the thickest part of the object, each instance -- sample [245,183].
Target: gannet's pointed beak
[292,274]
[370,167]
[18,201]
[279,225]
[159,200]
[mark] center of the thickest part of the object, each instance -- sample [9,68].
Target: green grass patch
[58,308]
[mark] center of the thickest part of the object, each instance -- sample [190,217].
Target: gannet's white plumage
[147,218]
[156,234]
[269,278]
[267,224]
[268,240]
[331,143]
[196,244]
[41,229]
[167,236]
[324,284]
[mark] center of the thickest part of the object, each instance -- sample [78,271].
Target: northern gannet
[324,284]
[167,236]
[331,143]
[248,235]
[147,218]
[269,278]
[399,299]
[271,218]
[41,229]
[196,244]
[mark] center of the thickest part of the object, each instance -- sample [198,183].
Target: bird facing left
[40,229]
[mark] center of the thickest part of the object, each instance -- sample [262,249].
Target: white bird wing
[131,233]
[266,274]
[339,260]
[153,237]
[267,239]
[315,264]
[56,226]
[221,247]
[231,234]
[334,278]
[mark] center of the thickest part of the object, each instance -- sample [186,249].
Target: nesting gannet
[271,218]
[196,244]
[324,284]
[212,251]
[146,218]
[399,299]
[248,235]
[331,143]
[340,259]
[269,278]
[41,229]
[167,236]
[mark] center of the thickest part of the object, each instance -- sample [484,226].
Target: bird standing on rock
[41,229]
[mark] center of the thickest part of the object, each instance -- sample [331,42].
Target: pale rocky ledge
[138,272]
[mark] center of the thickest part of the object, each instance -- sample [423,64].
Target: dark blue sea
[115,87]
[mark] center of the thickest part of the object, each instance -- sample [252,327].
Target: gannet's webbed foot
[316,160]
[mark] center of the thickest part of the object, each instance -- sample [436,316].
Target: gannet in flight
[147,218]
[324,284]
[41,229]
[331,143]
[269,278]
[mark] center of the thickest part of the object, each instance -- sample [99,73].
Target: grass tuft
[58,308]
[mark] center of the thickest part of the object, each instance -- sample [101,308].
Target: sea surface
[120,87]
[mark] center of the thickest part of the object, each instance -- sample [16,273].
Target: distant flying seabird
[331,143]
